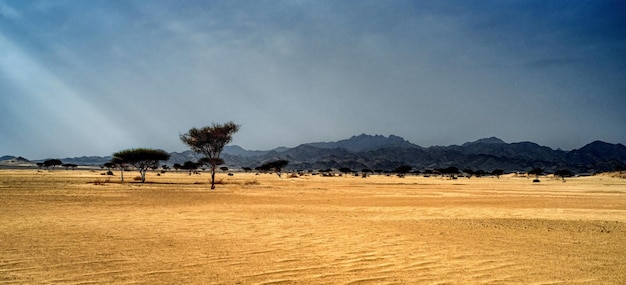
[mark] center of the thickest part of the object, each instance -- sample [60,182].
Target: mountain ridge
[389,152]
[365,142]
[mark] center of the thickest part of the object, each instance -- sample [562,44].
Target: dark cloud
[434,72]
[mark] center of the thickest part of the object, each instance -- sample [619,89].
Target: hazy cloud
[434,72]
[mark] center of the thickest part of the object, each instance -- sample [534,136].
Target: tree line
[210,141]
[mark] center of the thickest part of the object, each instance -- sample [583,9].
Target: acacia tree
[190,166]
[497,172]
[276,166]
[403,170]
[141,158]
[52,162]
[117,161]
[345,171]
[563,173]
[177,166]
[69,165]
[210,142]
[536,171]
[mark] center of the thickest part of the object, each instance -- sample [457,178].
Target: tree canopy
[536,171]
[141,158]
[563,173]
[276,165]
[210,141]
[345,170]
[497,172]
[403,169]
[52,162]
[69,165]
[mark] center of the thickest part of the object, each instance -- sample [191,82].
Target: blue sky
[94,77]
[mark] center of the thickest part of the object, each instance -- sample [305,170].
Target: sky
[82,78]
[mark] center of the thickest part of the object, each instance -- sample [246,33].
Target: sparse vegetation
[73,217]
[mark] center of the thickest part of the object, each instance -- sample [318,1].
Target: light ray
[51,102]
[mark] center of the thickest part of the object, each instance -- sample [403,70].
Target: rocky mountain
[388,153]
[485,141]
[599,155]
[237,150]
[365,142]
[521,150]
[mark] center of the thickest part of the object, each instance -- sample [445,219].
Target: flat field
[76,227]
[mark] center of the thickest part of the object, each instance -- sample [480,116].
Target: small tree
[276,166]
[69,165]
[497,172]
[450,171]
[210,141]
[118,162]
[109,165]
[403,170]
[141,158]
[536,172]
[563,173]
[52,162]
[189,166]
[345,170]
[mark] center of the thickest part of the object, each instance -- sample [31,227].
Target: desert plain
[80,227]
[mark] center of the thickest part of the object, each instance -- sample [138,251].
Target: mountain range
[387,153]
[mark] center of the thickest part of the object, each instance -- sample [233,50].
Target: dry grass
[78,227]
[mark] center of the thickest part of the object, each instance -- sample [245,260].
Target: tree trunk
[213,177]
[122,173]
[143,175]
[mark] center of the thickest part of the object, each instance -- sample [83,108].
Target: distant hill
[9,161]
[237,150]
[365,142]
[84,160]
[387,153]
[600,156]
[485,141]
[13,159]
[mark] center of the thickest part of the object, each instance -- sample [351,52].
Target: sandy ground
[75,227]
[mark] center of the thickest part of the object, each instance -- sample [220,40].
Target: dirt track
[74,227]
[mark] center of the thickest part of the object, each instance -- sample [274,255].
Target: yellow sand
[75,227]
